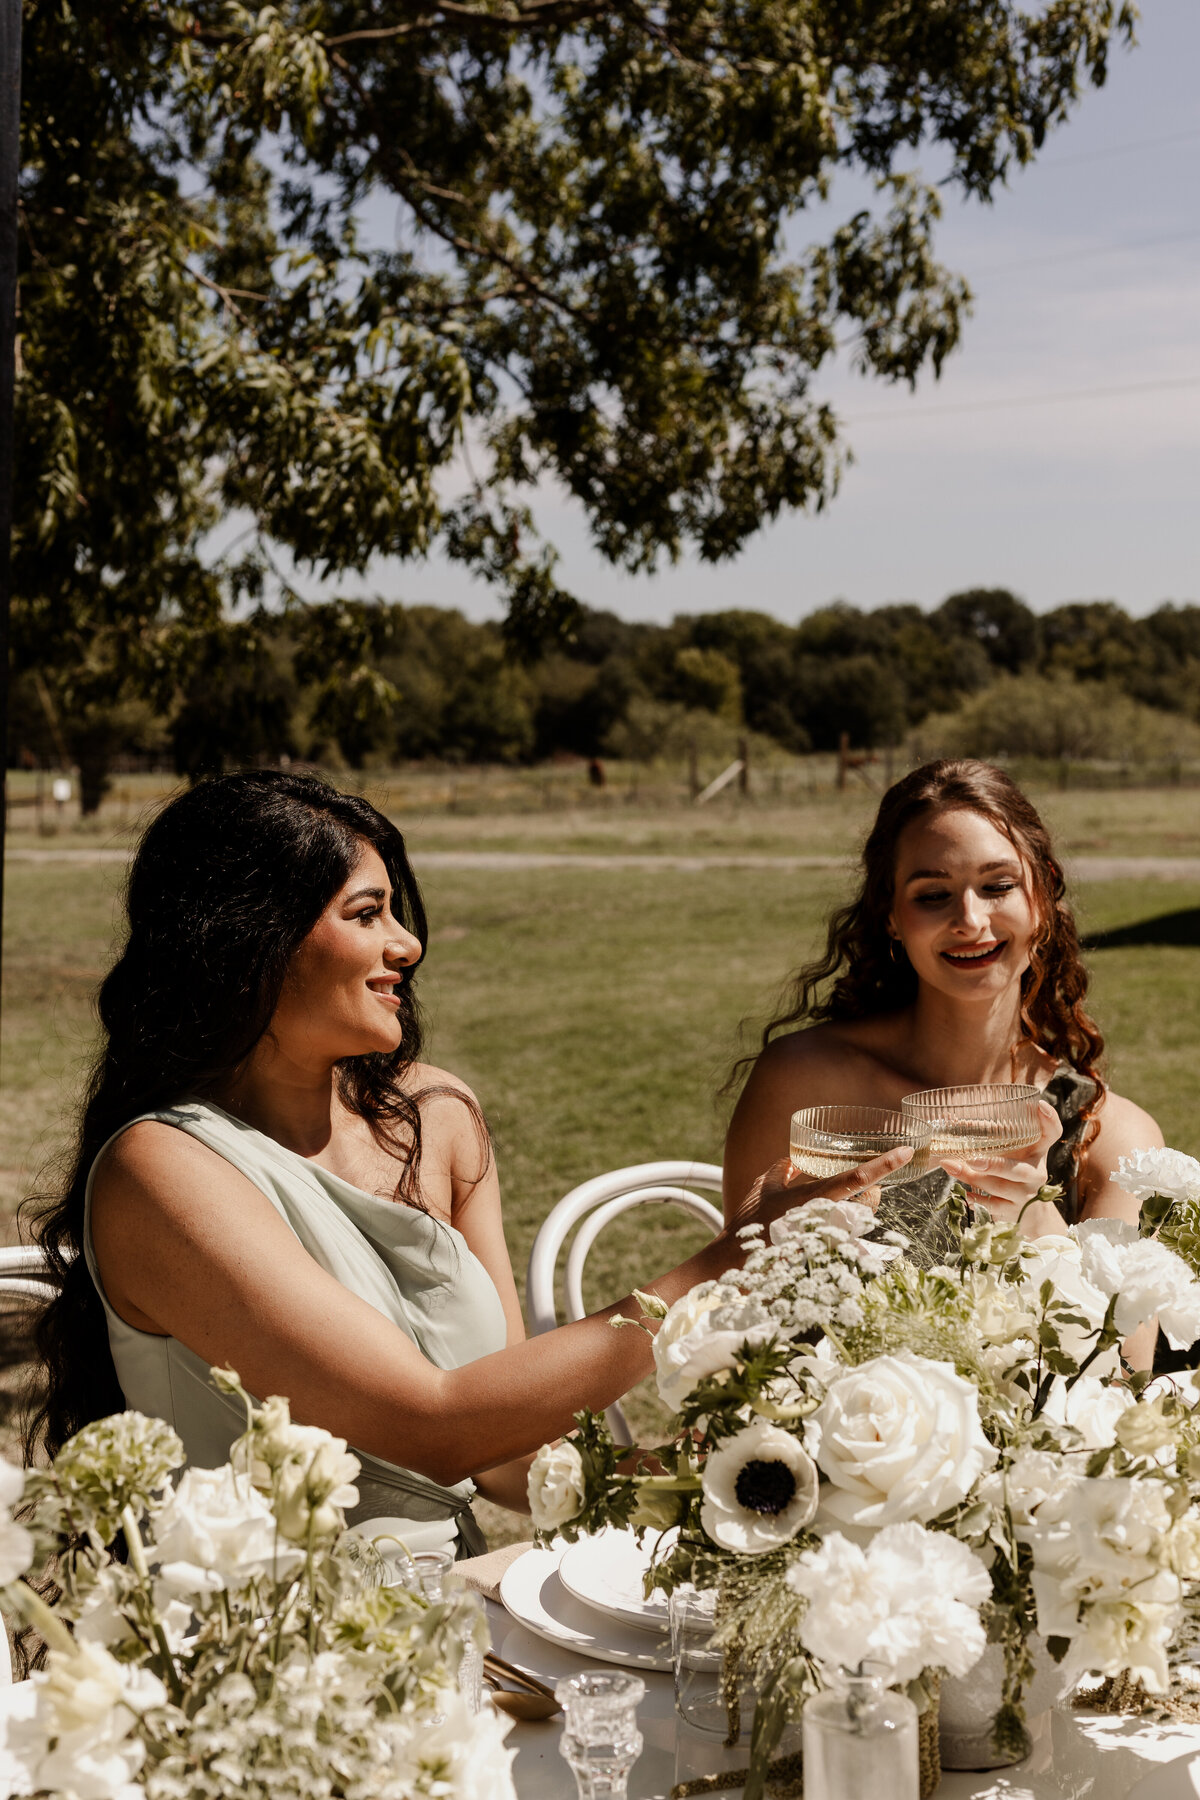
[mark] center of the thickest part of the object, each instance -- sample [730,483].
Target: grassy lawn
[595,1011]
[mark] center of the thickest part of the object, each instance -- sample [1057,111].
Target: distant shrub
[1058,719]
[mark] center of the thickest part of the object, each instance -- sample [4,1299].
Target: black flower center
[765,1487]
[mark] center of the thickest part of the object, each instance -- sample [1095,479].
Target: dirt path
[1080,868]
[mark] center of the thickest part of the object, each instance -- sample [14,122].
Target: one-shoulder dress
[917,1208]
[414,1269]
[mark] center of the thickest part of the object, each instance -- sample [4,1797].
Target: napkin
[483,1573]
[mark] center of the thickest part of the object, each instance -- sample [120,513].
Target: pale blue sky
[1086,272]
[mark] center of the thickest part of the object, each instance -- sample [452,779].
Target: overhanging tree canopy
[590,280]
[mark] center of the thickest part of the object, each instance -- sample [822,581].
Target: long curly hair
[227,882]
[858,976]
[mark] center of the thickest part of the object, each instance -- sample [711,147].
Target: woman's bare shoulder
[822,1058]
[156,1169]
[1124,1126]
[426,1082]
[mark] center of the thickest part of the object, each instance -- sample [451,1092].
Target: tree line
[353,683]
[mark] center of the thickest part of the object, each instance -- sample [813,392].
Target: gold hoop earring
[894,945]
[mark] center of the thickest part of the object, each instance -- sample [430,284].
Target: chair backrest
[24,1274]
[593,1205]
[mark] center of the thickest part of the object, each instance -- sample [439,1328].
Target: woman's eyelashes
[993,891]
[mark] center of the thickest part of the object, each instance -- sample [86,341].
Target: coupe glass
[833,1140]
[967,1122]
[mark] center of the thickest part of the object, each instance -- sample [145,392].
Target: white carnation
[555,1485]
[899,1438]
[1148,1279]
[909,1599]
[760,1489]
[703,1333]
[1158,1171]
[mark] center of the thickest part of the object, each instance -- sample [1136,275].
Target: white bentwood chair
[593,1205]
[23,1276]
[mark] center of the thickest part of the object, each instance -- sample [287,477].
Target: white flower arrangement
[872,1459]
[242,1645]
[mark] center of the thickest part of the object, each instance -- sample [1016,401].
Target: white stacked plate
[587,1597]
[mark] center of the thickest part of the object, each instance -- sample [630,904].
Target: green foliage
[591,280]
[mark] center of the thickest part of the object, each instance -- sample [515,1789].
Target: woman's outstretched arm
[189,1248]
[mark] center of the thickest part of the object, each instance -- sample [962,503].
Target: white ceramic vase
[969,1705]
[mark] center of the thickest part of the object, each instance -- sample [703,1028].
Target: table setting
[930,1532]
[540,1620]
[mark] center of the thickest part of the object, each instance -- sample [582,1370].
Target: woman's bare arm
[190,1248]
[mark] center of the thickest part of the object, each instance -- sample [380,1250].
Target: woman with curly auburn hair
[956,962]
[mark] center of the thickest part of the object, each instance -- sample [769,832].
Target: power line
[1080,156]
[1070,256]
[1021,400]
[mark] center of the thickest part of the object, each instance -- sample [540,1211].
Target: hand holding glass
[969,1122]
[834,1140]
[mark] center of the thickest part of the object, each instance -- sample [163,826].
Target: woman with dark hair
[268,1177]
[956,962]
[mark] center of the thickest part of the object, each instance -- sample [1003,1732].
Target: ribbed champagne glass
[833,1140]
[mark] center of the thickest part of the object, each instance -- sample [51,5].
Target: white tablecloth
[1076,1756]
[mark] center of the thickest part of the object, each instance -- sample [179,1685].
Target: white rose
[555,1486]
[462,1756]
[701,1334]
[1183,1547]
[1092,1407]
[1058,1258]
[1033,1478]
[1148,1279]
[70,1731]
[760,1489]
[215,1531]
[899,1438]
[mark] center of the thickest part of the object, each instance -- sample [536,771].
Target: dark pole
[10,150]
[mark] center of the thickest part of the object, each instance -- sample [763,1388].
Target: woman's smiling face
[340,995]
[963,906]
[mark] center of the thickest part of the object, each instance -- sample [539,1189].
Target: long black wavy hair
[227,882]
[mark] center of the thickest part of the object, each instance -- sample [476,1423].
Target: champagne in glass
[833,1140]
[971,1122]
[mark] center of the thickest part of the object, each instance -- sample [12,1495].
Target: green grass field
[596,1011]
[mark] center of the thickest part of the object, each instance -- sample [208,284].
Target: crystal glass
[833,1140]
[698,1665]
[966,1122]
[600,1739]
[860,1740]
[428,1570]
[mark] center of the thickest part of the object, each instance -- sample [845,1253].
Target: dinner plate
[605,1572]
[533,1593]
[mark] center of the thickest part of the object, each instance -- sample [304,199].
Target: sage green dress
[415,1270]
[917,1208]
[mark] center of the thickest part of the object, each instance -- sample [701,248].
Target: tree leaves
[592,279]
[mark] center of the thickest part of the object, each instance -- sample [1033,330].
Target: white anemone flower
[760,1489]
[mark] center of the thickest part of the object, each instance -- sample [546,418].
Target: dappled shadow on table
[1177,928]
